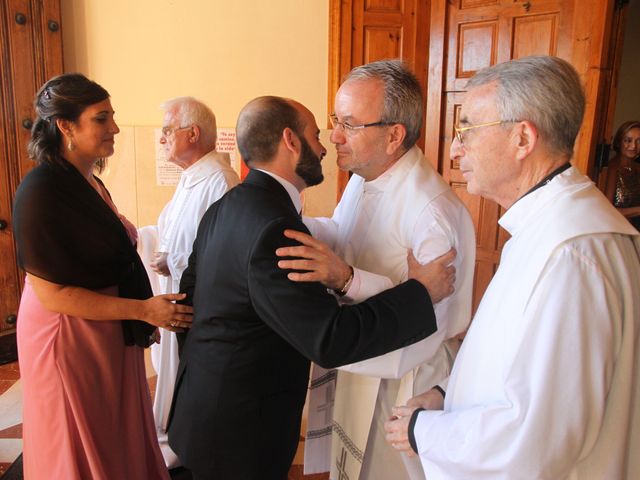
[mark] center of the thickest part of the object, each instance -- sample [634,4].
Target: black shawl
[67,234]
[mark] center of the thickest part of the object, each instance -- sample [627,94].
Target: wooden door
[481,34]
[446,41]
[604,130]
[467,35]
[30,52]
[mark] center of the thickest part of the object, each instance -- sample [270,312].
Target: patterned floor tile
[12,432]
[10,444]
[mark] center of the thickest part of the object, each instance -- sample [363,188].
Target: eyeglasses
[348,128]
[460,130]
[168,131]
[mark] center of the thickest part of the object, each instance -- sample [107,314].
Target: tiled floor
[11,421]
[10,415]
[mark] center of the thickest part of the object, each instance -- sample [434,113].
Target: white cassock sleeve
[551,406]
[433,236]
[198,202]
[323,228]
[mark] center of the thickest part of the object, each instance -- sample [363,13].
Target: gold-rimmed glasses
[460,130]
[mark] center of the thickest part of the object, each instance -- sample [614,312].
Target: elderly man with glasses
[395,204]
[189,139]
[546,384]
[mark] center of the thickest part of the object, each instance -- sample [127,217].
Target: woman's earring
[70,146]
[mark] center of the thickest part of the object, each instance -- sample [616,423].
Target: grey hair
[402,95]
[190,111]
[544,90]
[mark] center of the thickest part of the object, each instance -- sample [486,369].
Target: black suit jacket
[244,369]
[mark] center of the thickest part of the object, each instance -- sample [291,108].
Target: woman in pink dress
[86,313]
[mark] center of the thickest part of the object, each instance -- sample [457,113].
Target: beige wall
[224,53]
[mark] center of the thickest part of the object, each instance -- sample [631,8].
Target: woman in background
[82,322]
[623,177]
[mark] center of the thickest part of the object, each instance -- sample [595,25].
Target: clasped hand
[159,264]
[161,311]
[397,427]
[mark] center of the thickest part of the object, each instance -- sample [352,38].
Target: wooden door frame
[31,53]
[340,55]
[590,55]
[614,60]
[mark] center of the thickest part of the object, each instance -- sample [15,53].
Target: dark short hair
[62,97]
[622,131]
[260,126]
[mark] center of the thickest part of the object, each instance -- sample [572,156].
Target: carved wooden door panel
[481,33]
[446,41]
[30,52]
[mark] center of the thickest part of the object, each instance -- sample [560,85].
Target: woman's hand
[161,311]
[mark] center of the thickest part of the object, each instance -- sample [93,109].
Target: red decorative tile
[10,371]
[12,432]
[5,385]
[296,473]
[3,468]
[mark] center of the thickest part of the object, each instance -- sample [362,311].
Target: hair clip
[46,94]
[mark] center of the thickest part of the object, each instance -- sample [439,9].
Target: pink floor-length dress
[86,403]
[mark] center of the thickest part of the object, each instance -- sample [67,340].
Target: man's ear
[194,134]
[526,138]
[291,140]
[396,135]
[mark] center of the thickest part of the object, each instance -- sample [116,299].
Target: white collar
[288,186]
[524,209]
[204,167]
[394,174]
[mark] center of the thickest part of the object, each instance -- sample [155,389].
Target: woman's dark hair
[66,97]
[621,132]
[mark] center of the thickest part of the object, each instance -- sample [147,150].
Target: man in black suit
[244,370]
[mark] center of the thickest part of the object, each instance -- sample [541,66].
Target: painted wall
[224,53]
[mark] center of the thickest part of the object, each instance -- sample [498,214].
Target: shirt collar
[288,186]
[534,201]
[204,167]
[397,170]
[548,178]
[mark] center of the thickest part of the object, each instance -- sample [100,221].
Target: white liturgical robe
[374,226]
[200,185]
[546,383]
